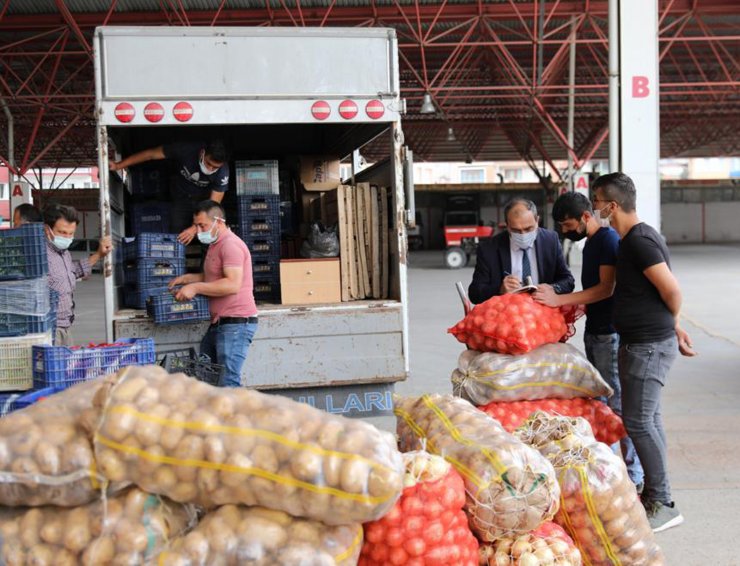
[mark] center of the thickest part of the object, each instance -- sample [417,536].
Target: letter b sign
[640,87]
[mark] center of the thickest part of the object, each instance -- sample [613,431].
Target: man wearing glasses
[647,305]
[578,220]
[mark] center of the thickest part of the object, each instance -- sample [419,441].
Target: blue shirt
[190,182]
[601,249]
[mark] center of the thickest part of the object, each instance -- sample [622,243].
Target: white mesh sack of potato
[553,434]
[600,507]
[46,455]
[510,487]
[195,443]
[127,529]
[552,371]
[234,535]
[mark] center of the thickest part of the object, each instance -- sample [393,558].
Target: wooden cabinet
[310,281]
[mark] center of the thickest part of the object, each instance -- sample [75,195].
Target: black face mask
[575,235]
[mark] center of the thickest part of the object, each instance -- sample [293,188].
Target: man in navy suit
[505,261]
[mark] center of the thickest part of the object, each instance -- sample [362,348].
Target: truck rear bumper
[359,342]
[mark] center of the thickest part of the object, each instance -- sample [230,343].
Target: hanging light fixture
[427,106]
[451,135]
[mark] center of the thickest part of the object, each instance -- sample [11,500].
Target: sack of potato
[607,426]
[234,535]
[46,455]
[428,524]
[600,507]
[130,528]
[548,545]
[511,488]
[553,371]
[195,443]
[553,434]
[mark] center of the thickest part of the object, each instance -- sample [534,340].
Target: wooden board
[385,241]
[361,240]
[375,231]
[351,243]
[343,244]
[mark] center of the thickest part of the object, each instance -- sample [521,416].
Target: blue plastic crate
[150,180]
[250,206]
[23,252]
[20,325]
[265,267]
[59,366]
[135,297]
[150,245]
[150,217]
[164,309]
[266,288]
[264,247]
[150,272]
[35,396]
[264,226]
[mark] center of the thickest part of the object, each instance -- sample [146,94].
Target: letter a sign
[19,193]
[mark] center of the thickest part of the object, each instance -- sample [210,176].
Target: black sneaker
[662,516]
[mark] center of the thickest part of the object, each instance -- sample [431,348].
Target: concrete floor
[701,399]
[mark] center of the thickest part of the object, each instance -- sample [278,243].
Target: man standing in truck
[227,282]
[203,174]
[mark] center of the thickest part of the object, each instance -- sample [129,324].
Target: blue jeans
[227,345]
[602,351]
[643,369]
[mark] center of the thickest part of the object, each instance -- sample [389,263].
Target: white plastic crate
[16,360]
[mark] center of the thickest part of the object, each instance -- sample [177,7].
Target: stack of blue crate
[258,221]
[151,261]
[27,305]
[148,185]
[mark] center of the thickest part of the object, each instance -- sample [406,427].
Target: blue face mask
[524,241]
[207,238]
[62,243]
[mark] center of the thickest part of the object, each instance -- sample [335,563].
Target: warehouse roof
[478,60]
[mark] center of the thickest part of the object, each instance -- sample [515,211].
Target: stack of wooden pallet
[363,241]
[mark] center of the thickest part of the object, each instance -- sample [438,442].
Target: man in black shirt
[203,174]
[574,215]
[647,303]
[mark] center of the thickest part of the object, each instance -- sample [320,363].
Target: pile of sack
[528,367]
[147,467]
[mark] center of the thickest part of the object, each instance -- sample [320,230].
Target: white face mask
[208,237]
[605,221]
[204,168]
[524,241]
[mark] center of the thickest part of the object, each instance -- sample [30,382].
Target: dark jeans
[227,345]
[643,369]
[602,350]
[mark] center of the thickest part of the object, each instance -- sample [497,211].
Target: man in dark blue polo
[203,174]
[577,219]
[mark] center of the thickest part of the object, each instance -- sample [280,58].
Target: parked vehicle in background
[463,230]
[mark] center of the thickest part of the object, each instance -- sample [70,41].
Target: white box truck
[272,92]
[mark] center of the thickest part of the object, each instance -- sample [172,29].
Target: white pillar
[639,101]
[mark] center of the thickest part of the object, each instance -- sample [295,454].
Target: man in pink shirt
[227,282]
